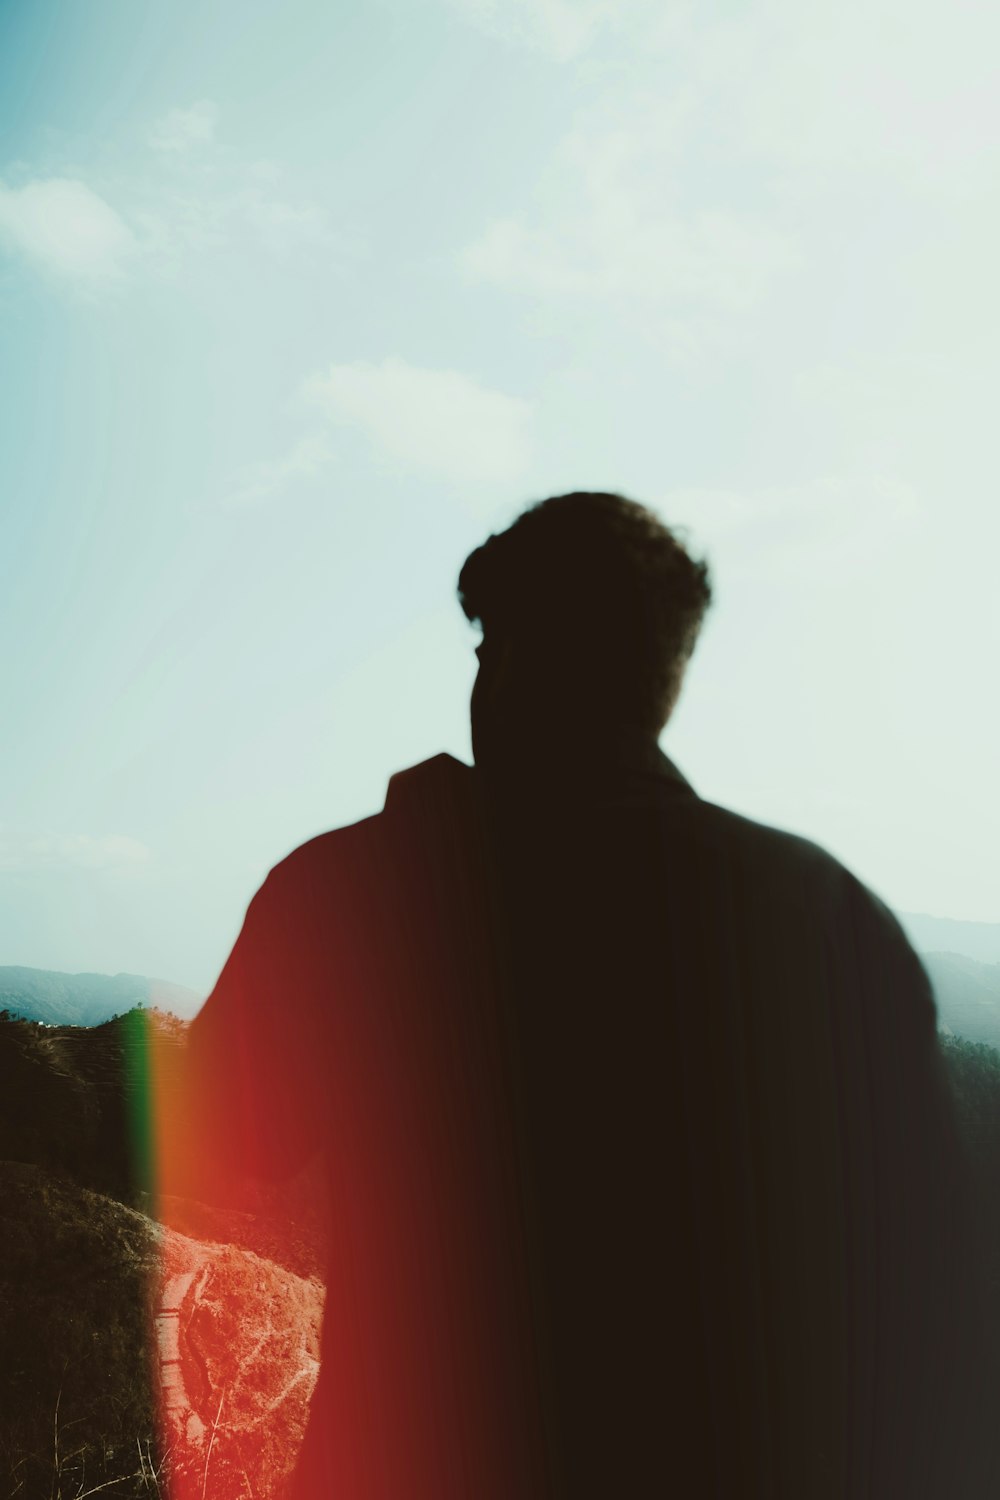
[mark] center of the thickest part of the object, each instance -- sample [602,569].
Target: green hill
[968,996]
[87,999]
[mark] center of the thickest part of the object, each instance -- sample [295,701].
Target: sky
[298,303]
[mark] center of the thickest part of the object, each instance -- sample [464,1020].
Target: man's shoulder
[428,784]
[747,839]
[789,863]
[785,860]
[434,792]
[443,786]
[439,776]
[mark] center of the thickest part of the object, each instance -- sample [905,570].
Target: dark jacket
[644,1168]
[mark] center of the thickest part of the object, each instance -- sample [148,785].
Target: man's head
[590,607]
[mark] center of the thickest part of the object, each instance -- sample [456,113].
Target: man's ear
[503,661]
[496,663]
[676,684]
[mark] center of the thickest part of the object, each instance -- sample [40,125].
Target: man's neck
[621,746]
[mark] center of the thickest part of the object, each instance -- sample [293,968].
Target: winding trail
[232,1324]
[176,1401]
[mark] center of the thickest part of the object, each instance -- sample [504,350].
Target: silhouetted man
[644,1170]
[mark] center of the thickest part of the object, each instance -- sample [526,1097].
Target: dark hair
[603,585]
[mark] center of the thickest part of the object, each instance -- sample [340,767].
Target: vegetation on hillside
[76,1396]
[80,1255]
[974,1074]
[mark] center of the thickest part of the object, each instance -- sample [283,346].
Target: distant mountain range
[962,959]
[967,995]
[88,999]
[978,940]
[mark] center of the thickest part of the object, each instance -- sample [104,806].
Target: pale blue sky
[298,302]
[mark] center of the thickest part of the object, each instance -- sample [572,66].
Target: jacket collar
[628,769]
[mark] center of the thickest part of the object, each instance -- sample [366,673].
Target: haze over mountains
[230,1295]
[963,961]
[977,940]
[968,996]
[962,958]
[88,999]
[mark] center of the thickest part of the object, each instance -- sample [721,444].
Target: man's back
[643,1167]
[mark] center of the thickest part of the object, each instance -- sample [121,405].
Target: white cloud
[868,85]
[562,28]
[25,852]
[192,203]
[714,258]
[619,217]
[214,199]
[441,421]
[170,211]
[180,226]
[66,228]
[281,226]
[716,159]
[824,530]
[873,87]
[184,130]
[511,252]
[309,457]
[856,83]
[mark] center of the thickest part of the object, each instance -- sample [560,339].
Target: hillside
[77,1286]
[87,999]
[215,1310]
[967,995]
[976,940]
[107,1319]
[101,1307]
[71,1097]
[72,1100]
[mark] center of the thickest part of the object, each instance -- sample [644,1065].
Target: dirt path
[176,1291]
